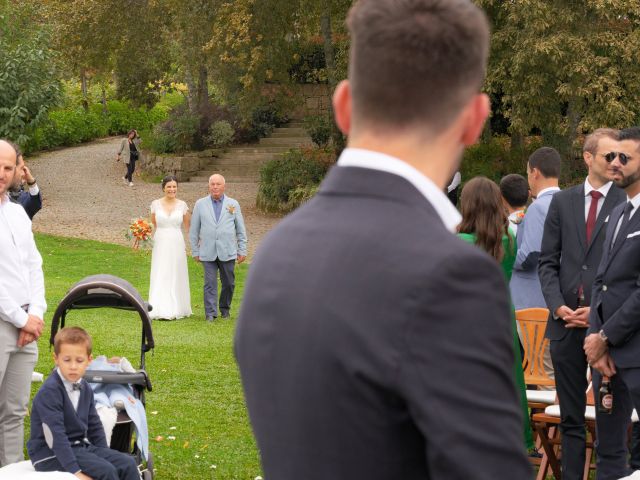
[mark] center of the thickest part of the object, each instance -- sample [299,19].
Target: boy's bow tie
[76,386]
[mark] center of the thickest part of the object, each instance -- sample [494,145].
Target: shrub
[319,128]
[261,123]
[290,180]
[220,134]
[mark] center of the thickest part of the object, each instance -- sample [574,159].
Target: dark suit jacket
[566,261]
[374,344]
[615,307]
[31,203]
[52,406]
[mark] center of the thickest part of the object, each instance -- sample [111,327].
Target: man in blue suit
[30,197]
[218,238]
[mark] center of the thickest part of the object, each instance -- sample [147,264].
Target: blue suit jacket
[52,407]
[31,203]
[525,283]
[615,298]
[224,239]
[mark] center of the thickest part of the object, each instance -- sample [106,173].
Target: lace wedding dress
[169,292]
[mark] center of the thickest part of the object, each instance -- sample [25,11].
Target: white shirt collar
[546,190]
[635,201]
[361,158]
[604,190]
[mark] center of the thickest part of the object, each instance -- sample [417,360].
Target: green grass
[196,384]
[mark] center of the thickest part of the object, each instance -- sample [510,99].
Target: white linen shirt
[74,395]
[361,158]
[21,277]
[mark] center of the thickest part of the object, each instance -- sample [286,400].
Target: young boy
[66,432]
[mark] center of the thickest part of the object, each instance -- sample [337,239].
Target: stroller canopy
[97,291]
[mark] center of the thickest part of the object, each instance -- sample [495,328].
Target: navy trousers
[227,280]
[98,463]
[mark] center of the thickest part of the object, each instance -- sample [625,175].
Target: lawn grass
[196,384]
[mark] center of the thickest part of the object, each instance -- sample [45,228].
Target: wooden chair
[532,323]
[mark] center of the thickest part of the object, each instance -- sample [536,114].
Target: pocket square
[634,234]
[606,219]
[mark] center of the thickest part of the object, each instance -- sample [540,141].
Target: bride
[169,293]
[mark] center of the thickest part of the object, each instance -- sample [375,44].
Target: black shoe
[226,315]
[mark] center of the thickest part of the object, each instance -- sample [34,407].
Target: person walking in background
[129,151]
[572,245]
[169,292]
[218,239]
[22,307]
[364,332]
[484,223]
[31,198]
[515,195]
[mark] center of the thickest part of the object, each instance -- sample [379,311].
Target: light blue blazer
[526,291]
[224,239]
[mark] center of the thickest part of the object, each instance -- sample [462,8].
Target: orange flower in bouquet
[140,231]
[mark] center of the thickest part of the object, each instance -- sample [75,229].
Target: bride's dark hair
[169,178]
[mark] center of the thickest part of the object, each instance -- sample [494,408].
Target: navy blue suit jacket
[31,203]
[616,291]
[52,407]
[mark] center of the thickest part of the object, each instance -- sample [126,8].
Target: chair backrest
[532,323]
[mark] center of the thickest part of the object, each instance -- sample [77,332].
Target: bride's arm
[186,220]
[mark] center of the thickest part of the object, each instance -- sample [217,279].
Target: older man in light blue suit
[218,238]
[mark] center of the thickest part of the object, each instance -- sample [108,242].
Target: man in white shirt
[22,307]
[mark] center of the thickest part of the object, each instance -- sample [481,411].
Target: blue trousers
[98,463]
[227,279]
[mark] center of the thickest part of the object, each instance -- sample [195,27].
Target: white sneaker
[131,184]
[125,180]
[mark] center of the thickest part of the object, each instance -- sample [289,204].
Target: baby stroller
[97,291]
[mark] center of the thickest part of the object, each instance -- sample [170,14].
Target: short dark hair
[630,133]
[415,63]
[169,178]
[514,189]
[73,336]
[547,160]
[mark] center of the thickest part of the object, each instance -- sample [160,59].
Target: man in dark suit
[612,344]
[31,197]
[372,343]
[572,242]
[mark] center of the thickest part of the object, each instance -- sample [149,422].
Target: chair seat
[541,396]
[589,413]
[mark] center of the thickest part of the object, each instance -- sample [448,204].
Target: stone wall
[183,167]
[316,100]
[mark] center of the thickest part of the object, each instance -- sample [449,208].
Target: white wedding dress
[169,292]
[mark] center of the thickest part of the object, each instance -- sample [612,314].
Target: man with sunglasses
[612,345]
[574,232]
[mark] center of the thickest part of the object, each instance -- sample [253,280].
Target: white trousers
[16,367]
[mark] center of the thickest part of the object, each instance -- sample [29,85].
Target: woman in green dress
[485,224]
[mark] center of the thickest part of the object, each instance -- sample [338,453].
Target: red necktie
[593,211]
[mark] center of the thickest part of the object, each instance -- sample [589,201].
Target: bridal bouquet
[140,232]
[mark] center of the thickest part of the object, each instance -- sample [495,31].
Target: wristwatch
[603,337]
[31,184]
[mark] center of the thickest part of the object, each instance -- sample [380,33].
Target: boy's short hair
[73,336]
[514,189]
[547,160]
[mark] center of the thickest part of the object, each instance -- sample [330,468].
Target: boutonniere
[231,209]
[519,217]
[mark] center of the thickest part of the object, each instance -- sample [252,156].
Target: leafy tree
[29,84]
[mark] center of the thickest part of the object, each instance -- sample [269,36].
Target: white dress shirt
[21,278]
[357,157]
[74,395]
[588,188]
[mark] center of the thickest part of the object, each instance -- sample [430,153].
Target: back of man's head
[415,63]
[547,161]
[514,189]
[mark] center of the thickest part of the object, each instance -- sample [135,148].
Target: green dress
[509,244]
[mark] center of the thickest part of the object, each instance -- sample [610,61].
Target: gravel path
[84,195]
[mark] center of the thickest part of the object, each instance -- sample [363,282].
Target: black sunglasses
[611,156]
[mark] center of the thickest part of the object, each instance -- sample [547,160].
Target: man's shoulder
[231,200]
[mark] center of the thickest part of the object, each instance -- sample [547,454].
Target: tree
[29,84]
[564,67]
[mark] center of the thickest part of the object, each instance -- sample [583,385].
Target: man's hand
[27,174]
[594,347]
[563,312]
[34,326]
[197,259]
[25,338]
[241,258]
[83,476]
[580,318]
[605,365]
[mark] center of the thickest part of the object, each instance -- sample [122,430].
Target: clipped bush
[319,128]
[287,182]
[262,122]
[220,134]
